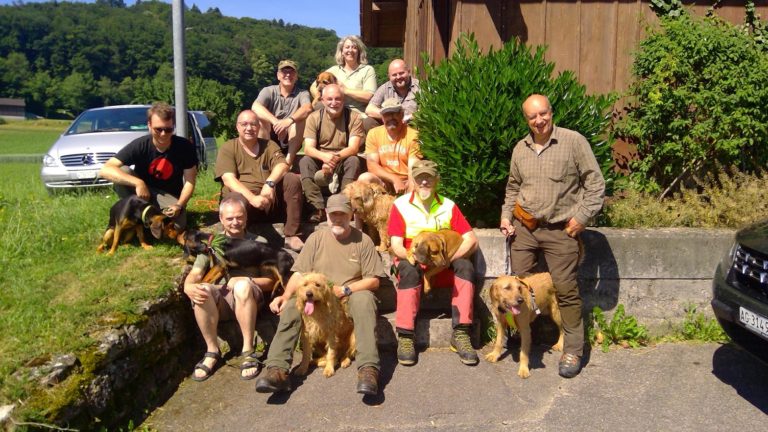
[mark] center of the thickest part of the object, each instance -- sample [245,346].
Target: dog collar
[534,306]
[144,214]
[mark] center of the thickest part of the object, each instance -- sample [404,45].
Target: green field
[30,136]
[57,291]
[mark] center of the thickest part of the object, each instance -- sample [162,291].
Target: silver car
[96,135]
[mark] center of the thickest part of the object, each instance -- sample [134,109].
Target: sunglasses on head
[160,130]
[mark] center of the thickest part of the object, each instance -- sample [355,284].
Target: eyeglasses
[161,130]
[245,125]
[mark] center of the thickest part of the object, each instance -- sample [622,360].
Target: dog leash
[509,272]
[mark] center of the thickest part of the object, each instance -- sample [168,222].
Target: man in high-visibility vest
[425,210]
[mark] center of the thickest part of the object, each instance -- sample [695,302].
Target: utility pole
[179,68]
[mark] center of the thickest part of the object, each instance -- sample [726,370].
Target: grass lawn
[57,291]
[30,136]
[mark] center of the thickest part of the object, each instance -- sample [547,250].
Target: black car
[740,290]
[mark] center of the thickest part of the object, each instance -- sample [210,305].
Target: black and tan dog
[129,217]
[515,301]
[434,251]
[246,255]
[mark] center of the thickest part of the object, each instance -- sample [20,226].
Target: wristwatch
[346,290]
[270,183]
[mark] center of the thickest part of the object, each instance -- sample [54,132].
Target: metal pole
[179,68]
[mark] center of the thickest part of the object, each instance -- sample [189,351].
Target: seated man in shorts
[240,298]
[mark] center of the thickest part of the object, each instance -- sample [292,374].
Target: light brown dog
[327,332]
[511,295]
[323,79]
[372,204]
[434,251]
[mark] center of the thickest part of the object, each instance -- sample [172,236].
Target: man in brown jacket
[555,187]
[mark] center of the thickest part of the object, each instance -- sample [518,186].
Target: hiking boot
[406,352]
[273,380]
[368,380]
[569,366]
[461,344]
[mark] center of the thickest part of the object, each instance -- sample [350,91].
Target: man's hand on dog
[172,211]
[506,227]
[142,191]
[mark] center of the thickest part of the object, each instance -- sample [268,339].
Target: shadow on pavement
[744,372]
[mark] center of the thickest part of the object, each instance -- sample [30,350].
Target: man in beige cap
[391,149]
[282,109]
[348,258]
[425,210]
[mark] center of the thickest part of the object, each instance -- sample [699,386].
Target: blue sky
[344,17]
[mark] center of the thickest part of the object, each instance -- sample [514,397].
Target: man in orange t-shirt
[391,150]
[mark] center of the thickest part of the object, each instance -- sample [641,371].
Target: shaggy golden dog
[511,295]
[323,79]
[372,204]
[434,251]
[327,332]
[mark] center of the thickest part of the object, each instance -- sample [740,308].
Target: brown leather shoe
[368,380]
[273,380]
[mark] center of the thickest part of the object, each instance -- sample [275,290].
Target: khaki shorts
[224,297]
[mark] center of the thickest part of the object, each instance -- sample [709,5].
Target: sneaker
[335,183]
[569,366]
[273,380]
[461,344]
[322,179]
[294,243]
[406,352]
[368,380]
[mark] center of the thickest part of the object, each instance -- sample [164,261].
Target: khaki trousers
[561,254]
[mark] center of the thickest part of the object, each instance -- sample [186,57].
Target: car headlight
[727,261]
[49,161]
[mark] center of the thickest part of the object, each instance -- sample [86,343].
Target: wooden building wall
[594,38]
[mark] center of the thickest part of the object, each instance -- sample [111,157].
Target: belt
[552,226]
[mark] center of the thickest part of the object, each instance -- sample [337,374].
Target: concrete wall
[654,273]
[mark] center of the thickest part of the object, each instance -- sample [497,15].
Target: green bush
[622,330]
[698,100]
[470,118]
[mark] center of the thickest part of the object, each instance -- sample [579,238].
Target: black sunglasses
[160,130]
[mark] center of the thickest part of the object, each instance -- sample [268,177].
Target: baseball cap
[338,202]
[287,63]
[391,105]
[424,167]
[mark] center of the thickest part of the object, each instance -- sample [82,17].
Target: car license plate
[758,324]
[87,174]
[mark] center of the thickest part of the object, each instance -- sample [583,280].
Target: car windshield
[110,120]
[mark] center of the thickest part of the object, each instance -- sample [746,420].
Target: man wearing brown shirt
[256,168]
[555,186]
[332,137]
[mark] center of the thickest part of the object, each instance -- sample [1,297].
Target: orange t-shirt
[393,154]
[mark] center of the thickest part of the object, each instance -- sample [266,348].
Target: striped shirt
[563,181]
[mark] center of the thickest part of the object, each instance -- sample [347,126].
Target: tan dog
[512,295]
[327,332]
[323,79]
[434,250]
[372,204]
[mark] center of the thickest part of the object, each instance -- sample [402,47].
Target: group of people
[555,187]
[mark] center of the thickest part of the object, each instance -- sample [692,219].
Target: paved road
[669,387]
